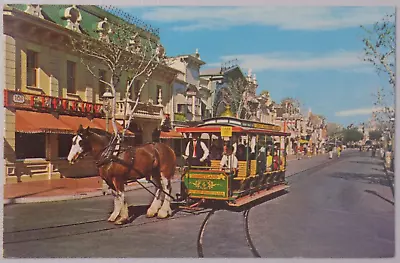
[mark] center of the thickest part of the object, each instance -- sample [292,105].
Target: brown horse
[117,166]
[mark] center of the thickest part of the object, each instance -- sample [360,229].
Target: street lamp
[107,97]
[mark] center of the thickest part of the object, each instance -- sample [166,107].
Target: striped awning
[37,122]
[40,122]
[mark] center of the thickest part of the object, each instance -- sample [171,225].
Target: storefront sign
[16,99]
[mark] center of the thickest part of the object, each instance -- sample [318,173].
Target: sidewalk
[58,190]
[66,189]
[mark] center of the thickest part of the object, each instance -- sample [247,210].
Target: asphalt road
[343,208]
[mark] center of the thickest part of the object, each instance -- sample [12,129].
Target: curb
[46,199]
[390,177]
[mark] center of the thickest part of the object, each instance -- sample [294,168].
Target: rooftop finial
[249,72]
[227,112]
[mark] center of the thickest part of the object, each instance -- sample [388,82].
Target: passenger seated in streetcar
[261,161]
[196,151]
[234,144]
[276,162]
[241,153]
[229,160]
[252,148]
[215,151]
[269,160]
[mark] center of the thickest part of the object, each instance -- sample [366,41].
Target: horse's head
[81,145]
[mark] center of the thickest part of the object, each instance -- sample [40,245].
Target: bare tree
[236,93]
[291,105]
[124,49]
[379,50]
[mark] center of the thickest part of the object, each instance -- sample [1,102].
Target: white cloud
[290,61]
[356,112]
[283,17]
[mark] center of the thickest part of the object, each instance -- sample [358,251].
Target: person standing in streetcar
[196,151]
[229,161]
[261,161]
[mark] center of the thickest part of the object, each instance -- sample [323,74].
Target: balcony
[143,110]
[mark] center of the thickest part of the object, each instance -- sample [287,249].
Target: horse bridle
[84,145]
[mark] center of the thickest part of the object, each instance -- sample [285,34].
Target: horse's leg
[156,204]
[119,200]
[115,213]
[165,210]
[124,215]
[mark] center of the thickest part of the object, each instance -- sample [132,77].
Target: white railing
[143,110]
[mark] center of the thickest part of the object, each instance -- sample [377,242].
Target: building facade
[49,93]
[188,95]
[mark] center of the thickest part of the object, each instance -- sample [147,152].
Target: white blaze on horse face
[76,149]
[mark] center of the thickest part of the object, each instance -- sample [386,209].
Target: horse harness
[110,154]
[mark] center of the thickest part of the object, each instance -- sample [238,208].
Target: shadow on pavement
[379,169]
[364,178]
[378,195]
[12,200]
[375,162]
[134,211]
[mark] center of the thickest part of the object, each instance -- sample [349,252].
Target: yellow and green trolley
[261,154]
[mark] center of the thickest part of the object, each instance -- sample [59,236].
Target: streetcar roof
[214,125]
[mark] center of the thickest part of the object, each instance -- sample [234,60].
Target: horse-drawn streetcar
[230,164]
[239,162]
[246,161]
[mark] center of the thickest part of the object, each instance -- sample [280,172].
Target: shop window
[71,77]
[180,108]
[64,144]
[31,68]
[30,145]
[102,85]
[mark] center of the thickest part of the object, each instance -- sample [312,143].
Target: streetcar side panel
[207,184]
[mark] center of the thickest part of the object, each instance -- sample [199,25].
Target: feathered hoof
[150,214]
[121,221]
[112,218]
[164,213]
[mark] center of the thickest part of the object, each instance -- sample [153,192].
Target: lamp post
[107,97]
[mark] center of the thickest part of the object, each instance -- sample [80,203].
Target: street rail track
[28,234]
[100,225]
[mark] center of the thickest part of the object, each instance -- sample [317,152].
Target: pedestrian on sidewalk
[297,150]
[339,150]
[330,149]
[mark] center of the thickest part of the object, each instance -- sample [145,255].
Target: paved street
[341,209]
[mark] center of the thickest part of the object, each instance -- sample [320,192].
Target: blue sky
[313,54]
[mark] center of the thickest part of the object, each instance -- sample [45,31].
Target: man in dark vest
[196,151]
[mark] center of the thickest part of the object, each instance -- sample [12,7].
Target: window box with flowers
[180,117]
